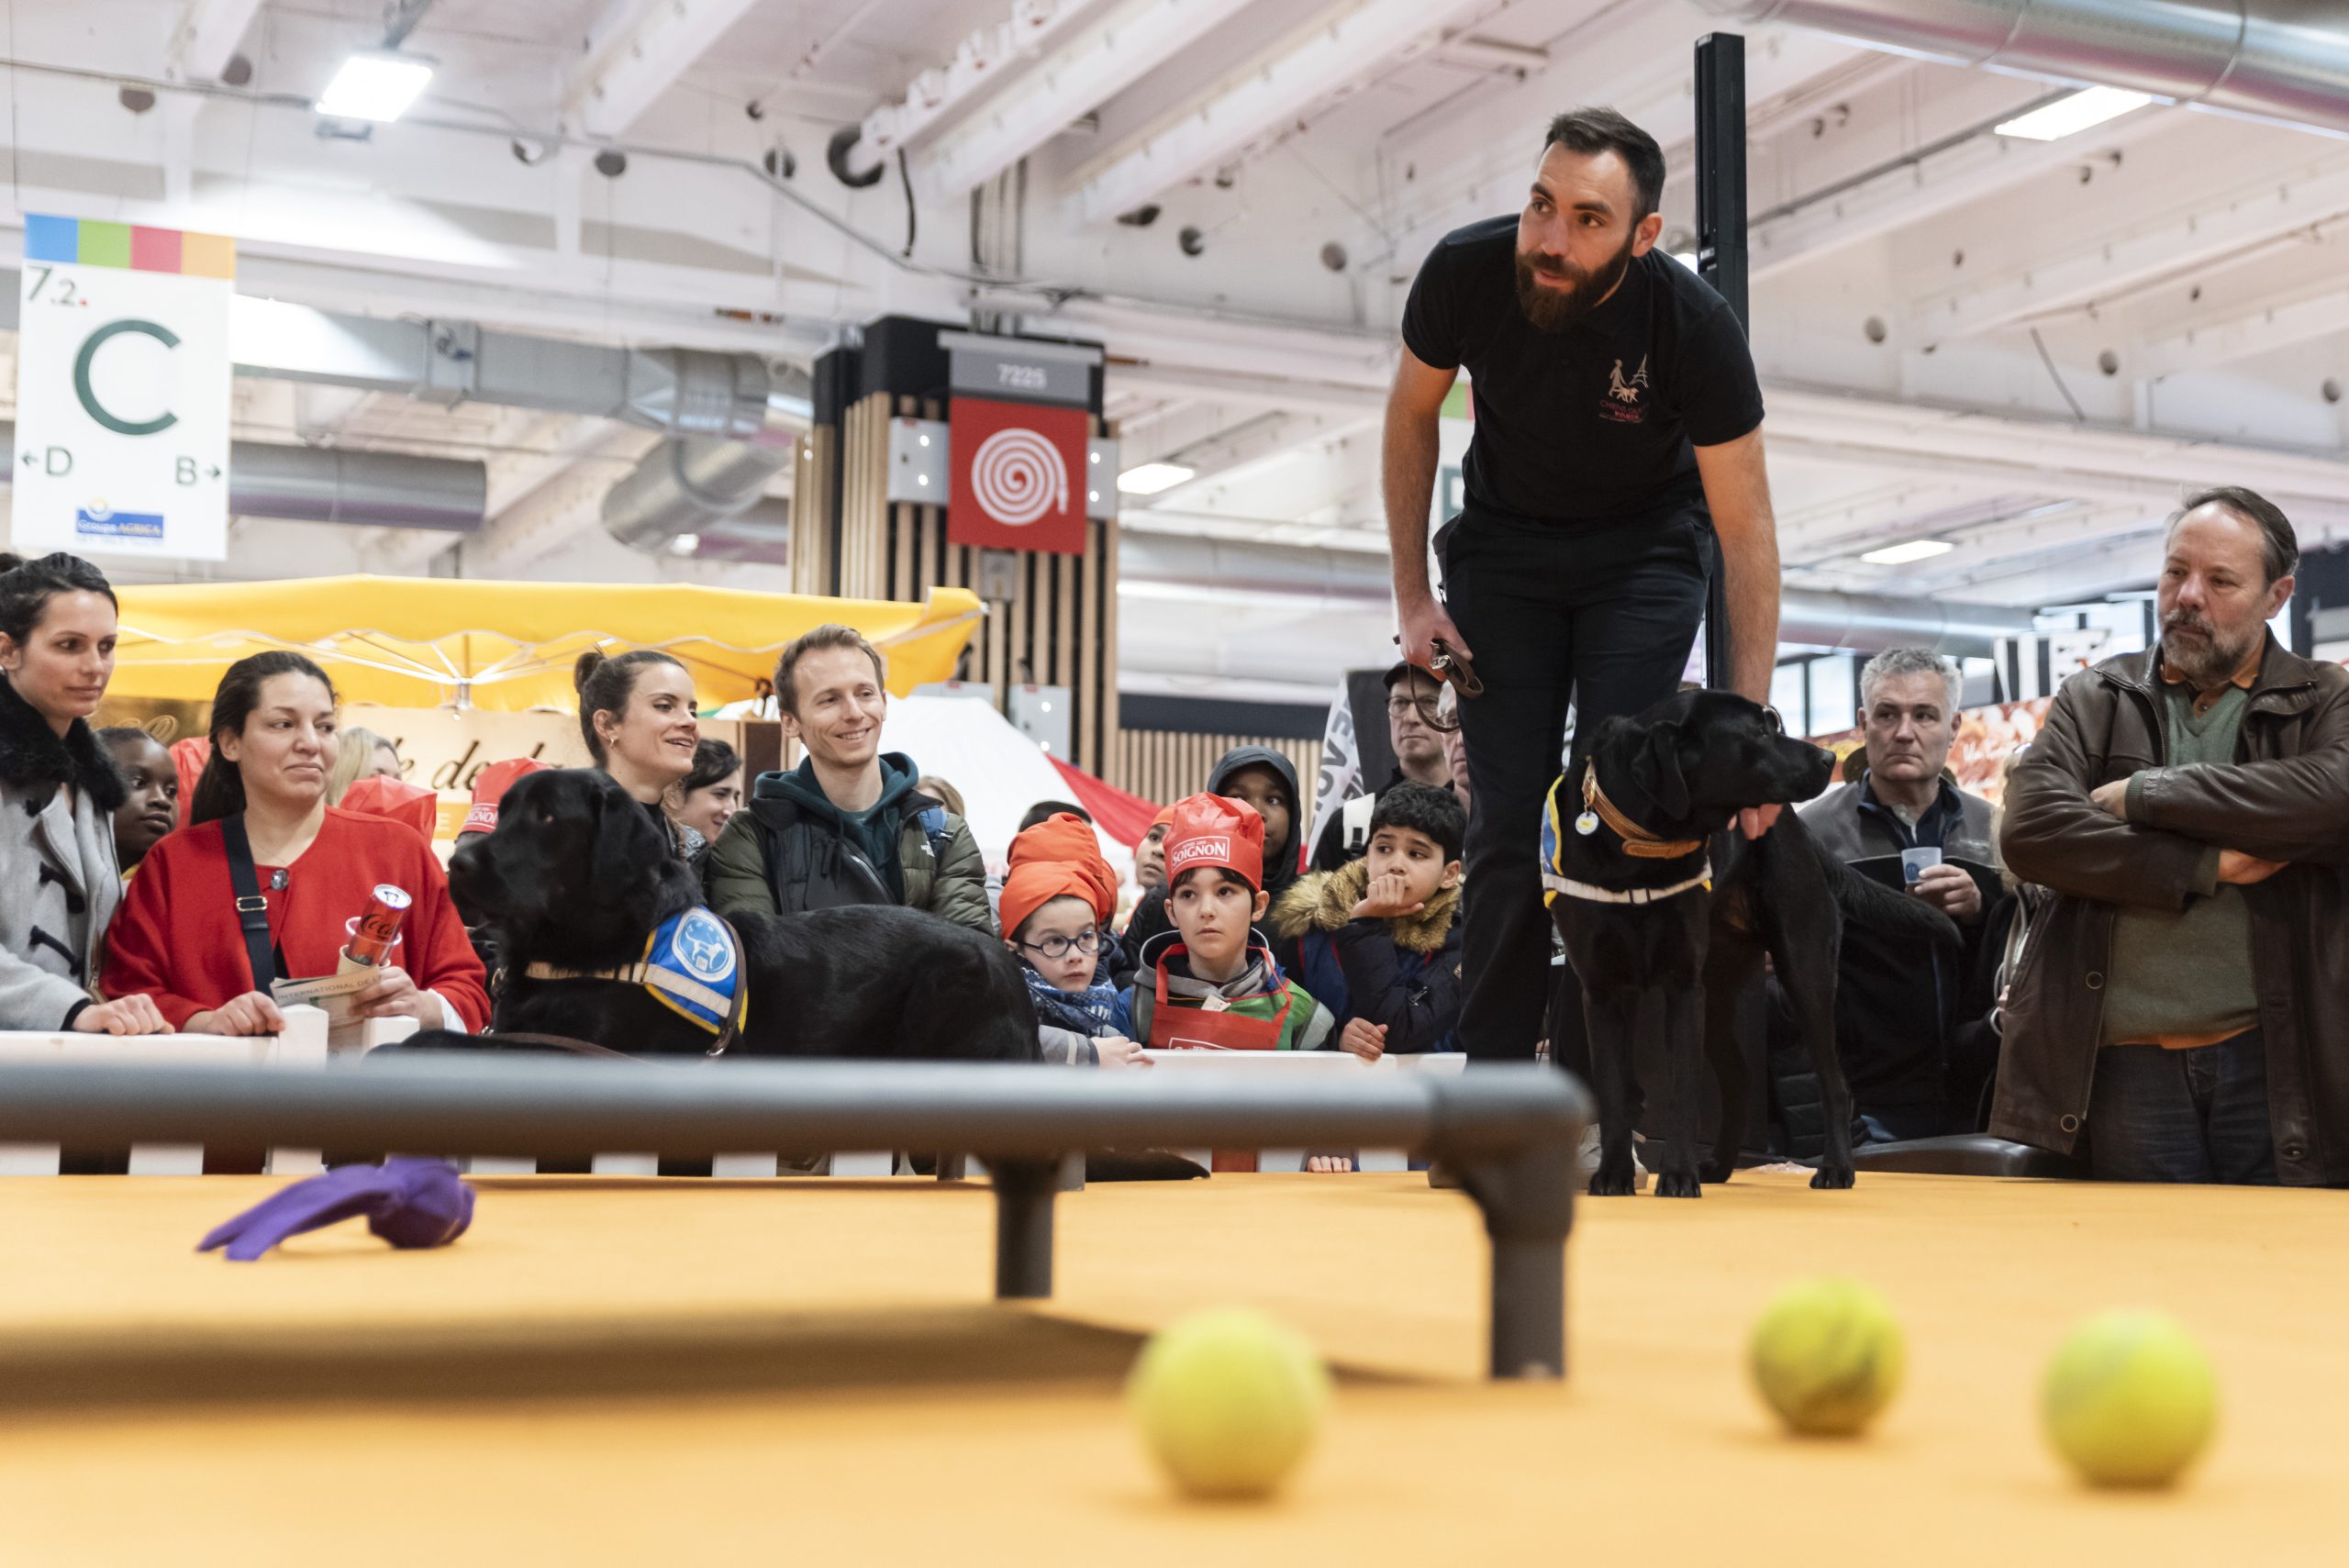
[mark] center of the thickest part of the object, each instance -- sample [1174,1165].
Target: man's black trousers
[1602,612]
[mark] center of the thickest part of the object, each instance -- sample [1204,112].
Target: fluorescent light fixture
[1150,478]
[1902,554]
[2068,116]
[375,84]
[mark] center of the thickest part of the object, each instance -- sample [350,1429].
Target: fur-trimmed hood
[37,760]
[1325,902]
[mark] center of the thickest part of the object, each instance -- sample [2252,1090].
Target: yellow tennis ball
[2129,1399]
[1827,1356]
[1229,1401]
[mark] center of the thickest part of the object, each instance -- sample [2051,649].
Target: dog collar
[692,965]
[1566,887]
[1637,841]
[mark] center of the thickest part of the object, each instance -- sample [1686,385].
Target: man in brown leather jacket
[2183,1009]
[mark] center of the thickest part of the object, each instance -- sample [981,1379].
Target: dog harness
[1637,841]
[692,965]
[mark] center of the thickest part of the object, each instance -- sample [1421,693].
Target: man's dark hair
[1045,810]
[1422,808]
[2279,547]
[1593,131]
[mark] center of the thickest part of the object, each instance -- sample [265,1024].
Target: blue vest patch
[693,967]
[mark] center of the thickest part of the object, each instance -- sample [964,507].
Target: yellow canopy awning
[423,641]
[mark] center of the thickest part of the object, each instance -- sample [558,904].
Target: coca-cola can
[379,924]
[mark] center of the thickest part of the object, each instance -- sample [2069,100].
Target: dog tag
[1586,824]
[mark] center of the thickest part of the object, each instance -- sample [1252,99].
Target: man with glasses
[1415,727]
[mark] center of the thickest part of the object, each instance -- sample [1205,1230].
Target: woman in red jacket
[178,938]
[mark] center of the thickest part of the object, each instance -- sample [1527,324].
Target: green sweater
[2187,972]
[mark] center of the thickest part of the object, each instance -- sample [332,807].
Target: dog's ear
[1666,781]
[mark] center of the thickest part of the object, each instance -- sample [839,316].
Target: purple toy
[407,1201]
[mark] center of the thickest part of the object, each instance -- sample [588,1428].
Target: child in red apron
[1210,983]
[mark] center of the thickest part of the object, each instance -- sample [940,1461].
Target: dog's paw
[1835,1176]
[1679,1184]
[1713,1172]
[1614,1178]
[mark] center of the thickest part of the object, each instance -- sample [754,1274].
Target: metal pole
[1023,1228]
[1720,250]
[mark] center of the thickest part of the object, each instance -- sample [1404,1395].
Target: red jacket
[176,936]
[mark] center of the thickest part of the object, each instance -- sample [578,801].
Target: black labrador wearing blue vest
[1666,917]
[577,876]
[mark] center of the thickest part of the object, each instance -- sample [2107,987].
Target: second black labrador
[578,875]
[1662,948]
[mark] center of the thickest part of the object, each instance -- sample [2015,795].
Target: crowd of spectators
[2146,980]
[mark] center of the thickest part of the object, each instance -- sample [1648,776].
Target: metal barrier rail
[1508,1132]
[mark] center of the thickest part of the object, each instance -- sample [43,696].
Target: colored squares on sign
[155,250]
[105,245]
[207,255]
[51,238]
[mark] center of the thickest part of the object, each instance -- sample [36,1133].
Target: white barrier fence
[304,1045]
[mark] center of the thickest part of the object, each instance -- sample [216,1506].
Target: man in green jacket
[846,825]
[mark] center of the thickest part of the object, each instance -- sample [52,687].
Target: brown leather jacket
[2285,799]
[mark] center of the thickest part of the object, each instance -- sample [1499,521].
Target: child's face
[1265,790]
[1150,859]
[1417,858]
[1065,925]
[1213,911]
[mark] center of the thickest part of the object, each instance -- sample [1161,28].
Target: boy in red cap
[1210,982]
[1055,900]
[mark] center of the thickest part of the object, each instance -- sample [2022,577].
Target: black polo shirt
[1597,421]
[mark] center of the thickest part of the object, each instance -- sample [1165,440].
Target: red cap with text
[490,786]
[1210,831]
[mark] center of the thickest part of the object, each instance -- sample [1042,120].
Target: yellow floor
[627,1371]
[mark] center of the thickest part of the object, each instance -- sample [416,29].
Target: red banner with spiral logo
[1019,476]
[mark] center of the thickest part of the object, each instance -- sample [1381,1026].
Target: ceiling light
[375,84]
[1151,478]
[2069,115]
[1902,554]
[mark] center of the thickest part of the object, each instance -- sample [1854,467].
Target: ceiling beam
[636,50]
[1036,100]
[2286,324]
[207,38]
[1219,126]
[2261,212]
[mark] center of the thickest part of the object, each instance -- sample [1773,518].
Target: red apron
[1196,1029]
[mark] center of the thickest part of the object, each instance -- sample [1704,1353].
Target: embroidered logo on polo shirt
[1622,404]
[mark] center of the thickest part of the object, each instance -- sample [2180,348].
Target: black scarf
[35,759]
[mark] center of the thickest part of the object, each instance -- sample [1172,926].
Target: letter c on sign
[90,403]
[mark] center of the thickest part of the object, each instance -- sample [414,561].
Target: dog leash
[1637,841]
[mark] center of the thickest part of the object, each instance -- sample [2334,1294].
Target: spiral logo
[1018,476]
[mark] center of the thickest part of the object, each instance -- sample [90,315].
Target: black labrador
[577,874]
[1665,917]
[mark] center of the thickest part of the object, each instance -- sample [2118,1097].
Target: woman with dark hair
[59,886]
[704,799]
[259,822]
[636,713]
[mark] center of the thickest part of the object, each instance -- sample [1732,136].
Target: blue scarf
[1091,1012]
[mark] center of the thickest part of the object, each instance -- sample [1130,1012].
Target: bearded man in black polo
[1617,460]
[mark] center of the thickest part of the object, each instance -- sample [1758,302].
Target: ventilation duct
[2272,60]
[329,484]
[688,487]
[1288,576]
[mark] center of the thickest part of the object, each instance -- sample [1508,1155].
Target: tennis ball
[1827,1356]
[2129,1400]
[1229,1401]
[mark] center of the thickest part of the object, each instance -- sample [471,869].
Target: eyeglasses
[1087,942]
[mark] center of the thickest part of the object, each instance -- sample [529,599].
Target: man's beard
[2210,660]
[1554,310]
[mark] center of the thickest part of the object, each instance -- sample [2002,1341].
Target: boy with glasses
[1055,900]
